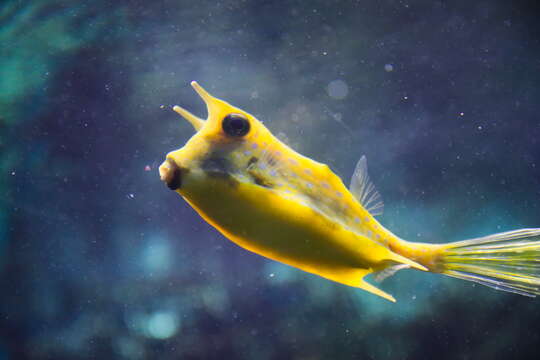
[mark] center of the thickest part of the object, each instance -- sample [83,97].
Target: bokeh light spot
[156,257]
[162,324]
[338,89]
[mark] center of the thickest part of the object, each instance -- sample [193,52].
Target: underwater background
[99,260]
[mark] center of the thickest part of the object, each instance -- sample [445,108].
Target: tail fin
[508,261]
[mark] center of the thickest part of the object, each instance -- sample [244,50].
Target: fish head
[223,148]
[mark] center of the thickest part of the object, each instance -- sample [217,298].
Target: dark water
[99,260]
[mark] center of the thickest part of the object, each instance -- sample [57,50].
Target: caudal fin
[508,261]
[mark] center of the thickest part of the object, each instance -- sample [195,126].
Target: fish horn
[202,93]
[196,121]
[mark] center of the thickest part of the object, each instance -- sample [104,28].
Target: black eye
[235,125]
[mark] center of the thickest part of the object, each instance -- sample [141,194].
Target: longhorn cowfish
[275,202]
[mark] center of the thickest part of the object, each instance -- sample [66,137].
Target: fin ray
[363,189]
[506,261]
[389,271]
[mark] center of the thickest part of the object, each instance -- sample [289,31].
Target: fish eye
[235,125]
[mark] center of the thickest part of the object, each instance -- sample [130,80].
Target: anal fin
[389,271]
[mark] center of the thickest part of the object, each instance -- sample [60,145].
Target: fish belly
[263,221]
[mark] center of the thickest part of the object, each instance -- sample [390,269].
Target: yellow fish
[275,202]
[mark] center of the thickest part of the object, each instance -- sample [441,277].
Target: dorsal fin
[363,189]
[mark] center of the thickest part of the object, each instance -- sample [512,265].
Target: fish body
[275,202]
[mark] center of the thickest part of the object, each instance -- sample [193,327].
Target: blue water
[98,259]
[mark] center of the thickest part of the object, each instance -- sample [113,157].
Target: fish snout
[171,174]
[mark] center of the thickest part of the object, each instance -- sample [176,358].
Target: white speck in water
[13,173]
[388,67]
[337,89]
[147,168]
[130,196]
[461,113]
[480,127]
[272,275]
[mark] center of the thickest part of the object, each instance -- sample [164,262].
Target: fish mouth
[171,174]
